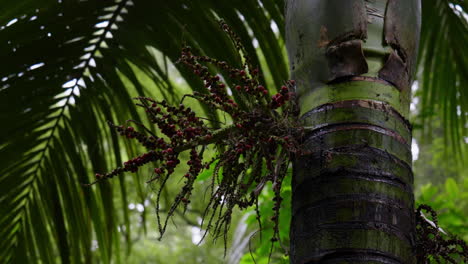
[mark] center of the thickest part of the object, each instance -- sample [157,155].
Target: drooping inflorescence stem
[255,148]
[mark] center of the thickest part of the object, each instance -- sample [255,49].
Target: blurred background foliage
[69,66]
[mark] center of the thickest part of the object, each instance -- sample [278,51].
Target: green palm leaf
[66,70]
[444,70]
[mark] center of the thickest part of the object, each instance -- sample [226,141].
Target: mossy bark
[353,198]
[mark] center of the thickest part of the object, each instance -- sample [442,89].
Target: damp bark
[353,63]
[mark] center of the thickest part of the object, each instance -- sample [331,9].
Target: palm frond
[65,70]
[444,70]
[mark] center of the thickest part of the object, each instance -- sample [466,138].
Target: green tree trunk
[353,61]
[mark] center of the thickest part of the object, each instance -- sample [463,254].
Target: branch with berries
[255,148]
[433,242]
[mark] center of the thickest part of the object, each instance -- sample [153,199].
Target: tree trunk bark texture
[353,62]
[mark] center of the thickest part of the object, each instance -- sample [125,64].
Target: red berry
[169,150]
[278,98]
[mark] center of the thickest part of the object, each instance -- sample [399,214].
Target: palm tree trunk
[353,189]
